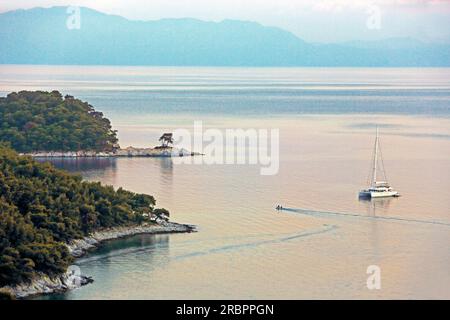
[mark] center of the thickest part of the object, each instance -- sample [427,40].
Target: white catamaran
[378,189]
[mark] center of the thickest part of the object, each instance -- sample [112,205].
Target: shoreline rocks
[127,152]
[44,284]
[79,247]
[72,278]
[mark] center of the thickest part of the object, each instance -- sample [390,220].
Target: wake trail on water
[238,246]
[230,247]
[389,218]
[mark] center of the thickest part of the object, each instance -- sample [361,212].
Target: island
[49,217]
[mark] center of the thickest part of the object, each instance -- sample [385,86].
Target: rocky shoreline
[72,279]
[79,247]
[44,284]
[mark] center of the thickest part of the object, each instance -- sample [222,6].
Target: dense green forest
[45,121]
[41,208]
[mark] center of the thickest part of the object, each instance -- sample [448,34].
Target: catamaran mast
[378,189]
[375,161]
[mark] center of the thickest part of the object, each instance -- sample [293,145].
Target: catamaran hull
[384,194]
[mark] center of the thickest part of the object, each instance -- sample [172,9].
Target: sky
[311,20]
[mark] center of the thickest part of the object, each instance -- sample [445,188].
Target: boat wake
[238,246]
[154,247]
[389,218]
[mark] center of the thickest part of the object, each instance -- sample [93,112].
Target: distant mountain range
[40,36]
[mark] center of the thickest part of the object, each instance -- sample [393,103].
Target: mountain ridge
[40,36]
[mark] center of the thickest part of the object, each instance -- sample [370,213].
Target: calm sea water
[244,248]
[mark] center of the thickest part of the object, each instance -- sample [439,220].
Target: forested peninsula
[45,121]
[49,216]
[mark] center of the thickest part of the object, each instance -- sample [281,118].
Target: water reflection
[166,168]
[166,165]
[139,244]
[144,253]
[107,168]
[376,207]
[81,164]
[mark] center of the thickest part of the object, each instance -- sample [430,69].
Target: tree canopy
[41,208]
[45,121]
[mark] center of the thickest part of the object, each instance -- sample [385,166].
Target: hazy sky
[312,20]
